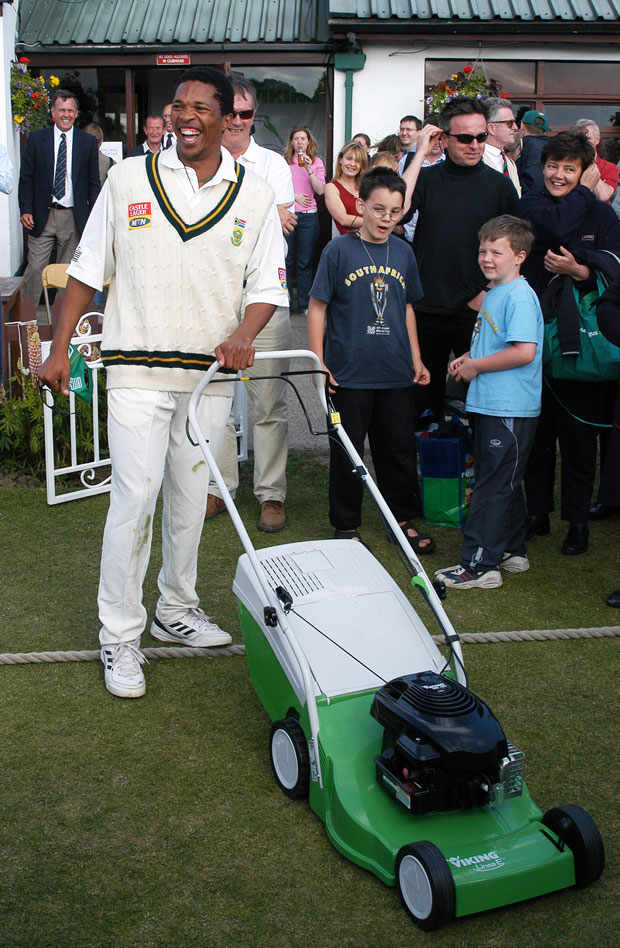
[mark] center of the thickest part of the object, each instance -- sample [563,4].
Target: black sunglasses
[468,139]
[244,114]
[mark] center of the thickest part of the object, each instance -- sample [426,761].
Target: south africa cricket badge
[237,234]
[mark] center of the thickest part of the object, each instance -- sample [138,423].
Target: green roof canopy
[44,24]
[392,13]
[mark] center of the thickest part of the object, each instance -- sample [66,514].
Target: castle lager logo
[139,214]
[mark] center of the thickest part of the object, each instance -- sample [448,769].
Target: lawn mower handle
[270,598]
[433,600]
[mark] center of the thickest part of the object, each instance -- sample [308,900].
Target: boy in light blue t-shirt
[504,369]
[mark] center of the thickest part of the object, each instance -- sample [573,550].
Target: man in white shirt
[408,132]
[269,396]
[58,186]
[190,221]
[503,132]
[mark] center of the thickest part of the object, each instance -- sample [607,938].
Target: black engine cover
[439,723]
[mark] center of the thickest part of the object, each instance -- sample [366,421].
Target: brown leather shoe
[215,506]
[272,516]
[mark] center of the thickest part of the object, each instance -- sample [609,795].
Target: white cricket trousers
[270,418]
[149,448]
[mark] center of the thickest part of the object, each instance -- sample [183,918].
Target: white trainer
[123,675]
[514,563]
[458,577]
[195,629]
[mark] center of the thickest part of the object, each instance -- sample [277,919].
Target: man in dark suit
[169,136]
[58,186]
[154,132]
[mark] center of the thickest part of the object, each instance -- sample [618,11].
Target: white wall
[387,88]
[10,229]
[392,82]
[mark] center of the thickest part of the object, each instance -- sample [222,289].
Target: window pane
[568,113]
[515,77]
[101,96]
[295,97]
[582,78]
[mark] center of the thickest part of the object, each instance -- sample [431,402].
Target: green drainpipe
[349,63]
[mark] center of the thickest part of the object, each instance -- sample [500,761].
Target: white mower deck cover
[354,625]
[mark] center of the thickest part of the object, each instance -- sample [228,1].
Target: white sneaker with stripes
[195,629]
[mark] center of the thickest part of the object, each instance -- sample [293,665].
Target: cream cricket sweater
[179,277]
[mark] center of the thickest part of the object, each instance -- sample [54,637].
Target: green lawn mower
[409,770]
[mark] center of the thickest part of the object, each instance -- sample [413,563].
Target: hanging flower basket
[471,81]
[30,100]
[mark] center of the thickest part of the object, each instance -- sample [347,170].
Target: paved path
[300,438]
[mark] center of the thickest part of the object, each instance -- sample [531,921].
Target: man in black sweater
[455,198]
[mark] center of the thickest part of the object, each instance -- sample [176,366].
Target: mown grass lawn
[157,823]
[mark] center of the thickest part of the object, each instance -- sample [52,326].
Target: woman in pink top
[342,191]
[308,173]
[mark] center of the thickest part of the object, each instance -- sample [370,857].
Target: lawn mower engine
[443,748]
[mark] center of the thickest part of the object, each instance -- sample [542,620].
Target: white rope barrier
[224,651]
[536,635]
[36,658]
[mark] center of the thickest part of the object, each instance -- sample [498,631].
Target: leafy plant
[22,436]
[470,81]
[30,100]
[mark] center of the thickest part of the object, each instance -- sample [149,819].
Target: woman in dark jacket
[608,316]
[569,223]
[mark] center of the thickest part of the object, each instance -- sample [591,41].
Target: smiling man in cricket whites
[192,219]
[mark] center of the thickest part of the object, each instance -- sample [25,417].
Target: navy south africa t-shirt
[366,287]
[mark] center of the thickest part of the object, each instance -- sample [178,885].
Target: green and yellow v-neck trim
[184,230]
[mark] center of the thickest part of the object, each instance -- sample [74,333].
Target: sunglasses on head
[468,139]
[244,113]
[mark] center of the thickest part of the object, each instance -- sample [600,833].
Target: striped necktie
[61,168]
[168,141]
[505,164]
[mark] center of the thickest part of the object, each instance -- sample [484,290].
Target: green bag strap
[593,424]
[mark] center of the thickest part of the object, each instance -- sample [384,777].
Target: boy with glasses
[362,326]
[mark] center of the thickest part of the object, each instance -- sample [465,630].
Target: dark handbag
[598,359]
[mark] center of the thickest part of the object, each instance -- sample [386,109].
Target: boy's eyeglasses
[380,212]
[468,139]
[509,122]
[244,114]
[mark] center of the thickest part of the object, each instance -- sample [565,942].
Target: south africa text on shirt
[368,270]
